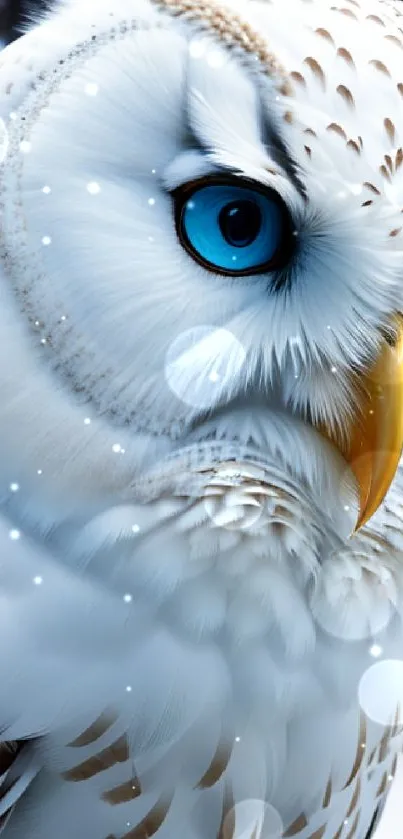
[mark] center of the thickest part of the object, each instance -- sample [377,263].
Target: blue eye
[234,229]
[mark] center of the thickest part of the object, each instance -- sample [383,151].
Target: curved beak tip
[376,436]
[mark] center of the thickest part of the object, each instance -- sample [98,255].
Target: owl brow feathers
[233,31]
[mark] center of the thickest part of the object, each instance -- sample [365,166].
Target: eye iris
[240,222]
[233,227]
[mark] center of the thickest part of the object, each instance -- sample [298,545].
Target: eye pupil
[240,222]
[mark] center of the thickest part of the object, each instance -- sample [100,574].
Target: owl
[201,420]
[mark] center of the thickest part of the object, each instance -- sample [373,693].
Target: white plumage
[193,644]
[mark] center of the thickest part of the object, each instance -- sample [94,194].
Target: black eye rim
[285,250]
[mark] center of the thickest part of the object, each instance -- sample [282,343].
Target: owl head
[201,247]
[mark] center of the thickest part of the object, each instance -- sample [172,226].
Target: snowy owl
[201,420]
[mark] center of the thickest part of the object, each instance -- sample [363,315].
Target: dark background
[14,13]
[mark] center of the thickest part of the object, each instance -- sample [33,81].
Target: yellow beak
[376,438]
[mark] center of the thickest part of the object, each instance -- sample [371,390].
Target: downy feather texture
[192,644]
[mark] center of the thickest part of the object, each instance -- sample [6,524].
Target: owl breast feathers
[201,420]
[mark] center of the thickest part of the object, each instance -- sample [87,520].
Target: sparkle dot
[190,205]
[63,318]
[46,240]
[193,355]
[237,739]
[214,376]
[127,598]
[38,581]
[13,115]
[371,411]
[253,817]
[43,340]
[14,535]
[345,821]
[116,448]
[234,258]
[37,323]
[47,190]
[375,650]
[122,451]
[390,777]
[128,689]
[39,472]
[25,146]
[295,232]
[216,58]
[151,201]
[363,745]
[91,89]
[328,326]
[135,528]
[87,421]
[380,690]
[93,188]
[14,487]
[346,507]
[334,369]
[153,171]
[197,48]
